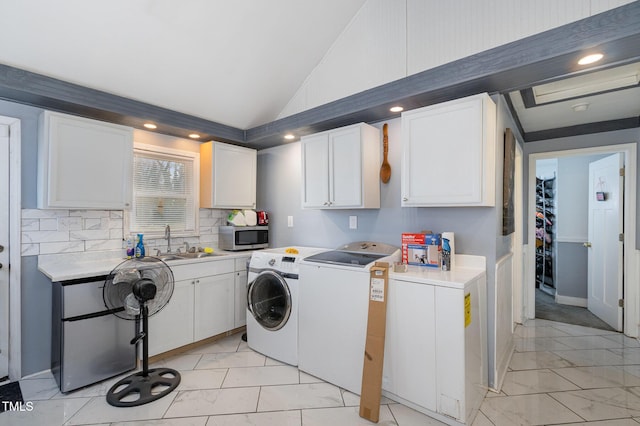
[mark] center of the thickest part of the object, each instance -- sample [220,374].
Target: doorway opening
[557,284]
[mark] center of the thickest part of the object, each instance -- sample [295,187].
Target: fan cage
[118,288]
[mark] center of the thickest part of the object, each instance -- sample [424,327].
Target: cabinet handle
[326,203]
[405,199]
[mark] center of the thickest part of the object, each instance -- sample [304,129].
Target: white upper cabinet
[448,154]
[227,176]
[340,168]
[83,164]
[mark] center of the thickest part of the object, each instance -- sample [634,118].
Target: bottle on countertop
[446,255]
[140,247]
[130,250]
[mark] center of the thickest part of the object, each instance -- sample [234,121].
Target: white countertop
[69,266]
[466,268]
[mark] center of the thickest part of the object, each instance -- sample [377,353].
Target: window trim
[141,148]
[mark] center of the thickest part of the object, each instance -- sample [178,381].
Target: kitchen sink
[168,257]
[180,256]
[197,255]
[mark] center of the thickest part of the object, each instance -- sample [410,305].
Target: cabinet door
[345,168]
[227,176]
[84,163]
[448,154]
[213,305]
[315,171]
[452,357]
[240,296]
[410,343]
[172,327]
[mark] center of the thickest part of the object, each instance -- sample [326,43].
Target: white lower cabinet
[213,305]
[201,306]
[172,327]
[410,305]
[240,299]
[435,357]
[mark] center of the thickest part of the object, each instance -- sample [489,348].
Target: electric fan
[134,290]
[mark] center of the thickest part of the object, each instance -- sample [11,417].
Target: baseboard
[573,301]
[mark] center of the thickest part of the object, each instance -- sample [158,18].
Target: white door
[4,250]
[604,245]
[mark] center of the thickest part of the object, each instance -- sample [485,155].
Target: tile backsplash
[73,231]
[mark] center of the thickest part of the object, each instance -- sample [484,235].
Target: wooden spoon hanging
[385,169]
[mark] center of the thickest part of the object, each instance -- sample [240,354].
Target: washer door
[269,300]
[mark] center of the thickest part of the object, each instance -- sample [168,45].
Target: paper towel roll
[451,236]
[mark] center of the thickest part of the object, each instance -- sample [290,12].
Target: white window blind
[165,192]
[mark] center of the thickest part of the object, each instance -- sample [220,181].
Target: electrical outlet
[290,221]
[353,222]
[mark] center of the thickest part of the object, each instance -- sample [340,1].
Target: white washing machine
[334,306]
[272,302]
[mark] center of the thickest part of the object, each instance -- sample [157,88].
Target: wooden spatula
[385,169]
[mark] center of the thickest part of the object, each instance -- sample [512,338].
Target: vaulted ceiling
[228,68]
[233,62]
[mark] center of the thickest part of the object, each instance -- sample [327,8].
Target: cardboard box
[422,249]
[374,346]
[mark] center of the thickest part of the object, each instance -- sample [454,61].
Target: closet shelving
[545,226]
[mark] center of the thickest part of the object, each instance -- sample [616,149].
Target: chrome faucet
[167,235]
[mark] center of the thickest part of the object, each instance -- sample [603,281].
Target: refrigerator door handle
[93,315]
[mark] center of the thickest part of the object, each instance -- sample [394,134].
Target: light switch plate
[353,222]
[290,221]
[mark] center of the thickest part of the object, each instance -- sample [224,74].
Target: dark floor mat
[547,308]
[10,392]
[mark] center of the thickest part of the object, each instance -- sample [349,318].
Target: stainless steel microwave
[243,237]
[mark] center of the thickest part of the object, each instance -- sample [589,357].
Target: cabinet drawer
[202,269]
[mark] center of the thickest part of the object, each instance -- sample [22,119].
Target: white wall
[547,169]
[391,39]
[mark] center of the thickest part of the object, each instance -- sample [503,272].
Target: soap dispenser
[140,247]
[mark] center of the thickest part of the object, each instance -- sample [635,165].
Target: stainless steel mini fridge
[88,342]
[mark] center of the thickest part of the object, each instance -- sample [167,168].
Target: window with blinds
[165,191]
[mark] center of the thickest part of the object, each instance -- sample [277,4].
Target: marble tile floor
[559,374]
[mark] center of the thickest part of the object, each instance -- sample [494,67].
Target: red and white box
[422,249]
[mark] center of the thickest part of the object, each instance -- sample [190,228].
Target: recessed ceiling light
[590,59]
[580,107]
[150,126]
[289,137]
[397,108]
[194,136]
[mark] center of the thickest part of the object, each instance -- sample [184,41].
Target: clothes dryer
[334,304]
[272,302]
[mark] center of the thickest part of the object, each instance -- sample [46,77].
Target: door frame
[630,273]
[15,249]
[518,246]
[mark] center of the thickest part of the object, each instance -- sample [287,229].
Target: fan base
[143,386]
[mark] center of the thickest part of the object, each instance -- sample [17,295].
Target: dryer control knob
[272,262]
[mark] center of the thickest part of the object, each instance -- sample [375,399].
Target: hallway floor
[547,308]
[559,374]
